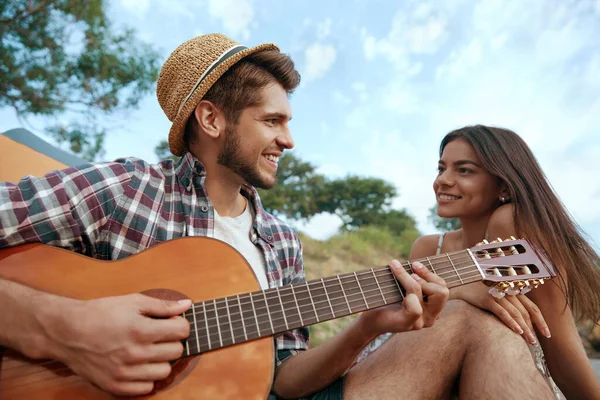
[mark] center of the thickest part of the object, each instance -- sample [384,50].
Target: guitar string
[388,272]
[303,288]
[65,368]
[452,271]
[380,272]
[408,265]
[275,319]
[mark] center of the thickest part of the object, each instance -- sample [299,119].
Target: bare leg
[465,343]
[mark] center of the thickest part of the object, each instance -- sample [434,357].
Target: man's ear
[210,119]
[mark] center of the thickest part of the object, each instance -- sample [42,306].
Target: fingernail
[416,277]
[547,333]
[185,302]
[532,339]
[519,330]
[395,264]
[417,265]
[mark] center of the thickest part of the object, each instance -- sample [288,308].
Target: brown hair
[238,88]
[538,213]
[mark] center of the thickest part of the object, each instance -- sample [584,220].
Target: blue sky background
[384,81]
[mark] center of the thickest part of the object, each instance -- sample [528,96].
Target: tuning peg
[499,252]
[513,250]
[485,241]
[512,272]
[499,240]
[526,270]
[513,238]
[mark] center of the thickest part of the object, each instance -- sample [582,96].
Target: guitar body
[193,267]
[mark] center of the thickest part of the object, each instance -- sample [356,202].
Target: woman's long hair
[538,213]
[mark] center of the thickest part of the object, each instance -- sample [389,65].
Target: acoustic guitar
[229,353]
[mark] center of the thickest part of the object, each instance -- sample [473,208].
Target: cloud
[532,69]
[319,60]
[235,15]
[324,29]
[136,7]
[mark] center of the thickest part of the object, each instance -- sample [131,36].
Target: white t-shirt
[236,233]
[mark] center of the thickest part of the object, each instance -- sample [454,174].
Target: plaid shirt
[112,210]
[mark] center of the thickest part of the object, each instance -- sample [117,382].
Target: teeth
[447,197]
[270,157]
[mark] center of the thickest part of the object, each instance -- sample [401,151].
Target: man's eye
[271,121]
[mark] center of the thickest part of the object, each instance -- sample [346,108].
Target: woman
[490,180]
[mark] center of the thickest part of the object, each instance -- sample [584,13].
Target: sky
[384,81]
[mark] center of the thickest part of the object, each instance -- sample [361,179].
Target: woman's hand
[517,312]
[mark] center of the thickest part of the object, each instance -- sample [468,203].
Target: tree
[300,190]
[61,59]
[358,201]
[163,153]
[443,224]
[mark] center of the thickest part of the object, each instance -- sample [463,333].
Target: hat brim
[176,142]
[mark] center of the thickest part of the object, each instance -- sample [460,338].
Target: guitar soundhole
[179,368]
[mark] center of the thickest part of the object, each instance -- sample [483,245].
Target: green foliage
[61,59]
[163,153]
[300,191]
[359,201]
[443,224]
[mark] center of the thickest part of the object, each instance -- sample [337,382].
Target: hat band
[226,54]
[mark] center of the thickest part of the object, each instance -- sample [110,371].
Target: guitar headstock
[511,266]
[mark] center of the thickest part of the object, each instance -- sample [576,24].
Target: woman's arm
[564,352]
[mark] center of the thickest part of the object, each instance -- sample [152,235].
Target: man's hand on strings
[425,297]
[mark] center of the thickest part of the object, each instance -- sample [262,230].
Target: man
[230,112]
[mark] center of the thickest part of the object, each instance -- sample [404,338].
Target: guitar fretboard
[235,319]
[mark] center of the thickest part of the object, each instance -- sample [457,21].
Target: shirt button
[269,238]
[204,208]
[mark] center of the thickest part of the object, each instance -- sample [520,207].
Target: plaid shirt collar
[188,165]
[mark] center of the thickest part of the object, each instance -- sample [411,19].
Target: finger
[409,284]
[129,388]
[426,274]
[166,330]
[505,317]
[144,372]
[411,309]
[153,307]
[535,315]
[437,296]
[517,316]
[514,300]
[166,351]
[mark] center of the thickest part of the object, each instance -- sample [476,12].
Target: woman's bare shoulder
[426,245]
[502,222]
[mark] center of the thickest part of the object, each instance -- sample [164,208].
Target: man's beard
[231,157]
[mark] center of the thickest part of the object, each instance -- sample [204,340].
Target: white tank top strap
[440,242]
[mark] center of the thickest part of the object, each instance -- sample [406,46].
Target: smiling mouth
[273,159]
[448,197]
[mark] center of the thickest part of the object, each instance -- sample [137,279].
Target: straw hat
[189,73]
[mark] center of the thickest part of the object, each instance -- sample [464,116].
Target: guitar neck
[235,319]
